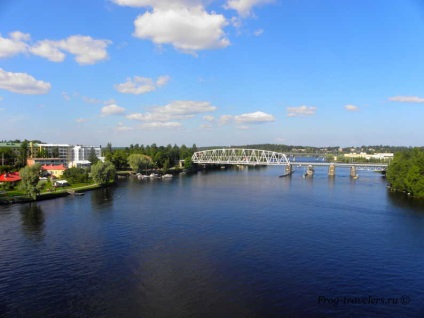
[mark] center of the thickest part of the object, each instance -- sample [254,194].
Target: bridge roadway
[238,156]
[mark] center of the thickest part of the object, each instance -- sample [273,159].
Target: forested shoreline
[406,172]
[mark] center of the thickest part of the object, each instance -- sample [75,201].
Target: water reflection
[32,219]
[103,196]
[403,201]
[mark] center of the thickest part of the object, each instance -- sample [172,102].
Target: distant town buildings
[49,154]
[377,156]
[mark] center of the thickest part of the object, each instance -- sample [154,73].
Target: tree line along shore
[405,172]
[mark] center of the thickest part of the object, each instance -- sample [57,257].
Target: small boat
[154,175]
[79,193]
[356,177]
[167,176]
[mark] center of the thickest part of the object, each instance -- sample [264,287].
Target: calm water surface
[228,243]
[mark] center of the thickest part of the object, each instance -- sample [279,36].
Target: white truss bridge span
[235,156]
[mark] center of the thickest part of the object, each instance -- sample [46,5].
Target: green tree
[103,172]
[30,178]
[6,156]
[188,164]
[406,172]
[92,156]
[137,162]
[76,175]
[23,153]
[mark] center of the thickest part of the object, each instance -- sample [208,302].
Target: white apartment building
[74,156]
[62,149]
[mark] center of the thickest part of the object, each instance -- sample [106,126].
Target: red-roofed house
[53,170]
[10,177]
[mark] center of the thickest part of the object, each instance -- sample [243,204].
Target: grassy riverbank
[16,196]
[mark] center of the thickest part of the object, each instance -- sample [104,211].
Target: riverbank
[53,195]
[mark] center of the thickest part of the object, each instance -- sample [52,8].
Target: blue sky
[228,72]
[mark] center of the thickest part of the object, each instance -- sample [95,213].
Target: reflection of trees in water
[102,196]
[404,201]
[32,218]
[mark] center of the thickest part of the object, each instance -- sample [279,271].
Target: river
[225,243]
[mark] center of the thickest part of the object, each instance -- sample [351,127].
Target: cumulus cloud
[300,111]
[49,50]
[188,29]
[13,45]
[86,49]
[209,118]
[157,3]
[407,99]
[244,7]
[175,110]
[256,117]
[141,85]
[351,108]
[112,110]
[22,83]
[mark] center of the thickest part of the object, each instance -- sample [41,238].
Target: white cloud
[188,29]
[81,120]
[206,126]
[244,7]
[258,32]
[122,127]
[112,110]
[175,110]
[351,108]
[209,118]
[141,85]
[256,117]
[162,80]
[407,99]
[13,45]
[157,3]
[86,49]
[49,50]
[300,111]
[170,124]
[66,96]
[225,119]
[22,83]
[90,100]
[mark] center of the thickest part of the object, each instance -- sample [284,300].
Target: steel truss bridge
[237,156]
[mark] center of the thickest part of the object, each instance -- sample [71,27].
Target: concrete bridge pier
[331,170]
[353,171]
[289,169]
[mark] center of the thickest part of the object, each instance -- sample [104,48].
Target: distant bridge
[358,166]
[237,156]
